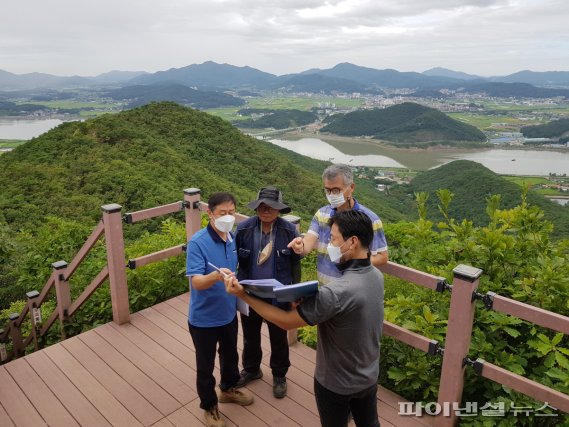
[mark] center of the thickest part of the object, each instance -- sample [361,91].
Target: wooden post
[192,211]
[116,262]
[292,334]
[457,343]
[62,293]
[16,335]
[35,315]
[3,351]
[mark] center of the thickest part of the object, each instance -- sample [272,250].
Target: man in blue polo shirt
[212,318]
[339,189]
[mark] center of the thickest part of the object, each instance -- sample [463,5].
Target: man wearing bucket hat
[262,254]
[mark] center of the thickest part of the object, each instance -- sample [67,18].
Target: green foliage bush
[520,261]
[471,183]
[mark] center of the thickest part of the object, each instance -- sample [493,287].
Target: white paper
[242,307]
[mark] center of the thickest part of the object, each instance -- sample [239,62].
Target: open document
[262,288]
[297,291]
[272,288]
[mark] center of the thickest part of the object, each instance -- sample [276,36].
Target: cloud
[486,37]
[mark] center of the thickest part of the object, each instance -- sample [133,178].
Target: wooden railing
[460,322]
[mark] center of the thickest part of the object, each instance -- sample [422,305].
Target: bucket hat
[272,197]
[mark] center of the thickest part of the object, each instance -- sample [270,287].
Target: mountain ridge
[214,75]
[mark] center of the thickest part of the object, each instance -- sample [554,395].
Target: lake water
[26,129]
[366,153]
[562,202]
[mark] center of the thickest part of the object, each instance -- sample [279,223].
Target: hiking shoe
[213,418]
[240,397]
[246,377]
[279,387]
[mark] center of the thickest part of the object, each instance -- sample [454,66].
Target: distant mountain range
[344,77]
[141,94]
[10,81]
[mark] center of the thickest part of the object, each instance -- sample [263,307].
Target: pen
[223,273]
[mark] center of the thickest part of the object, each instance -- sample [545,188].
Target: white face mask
[335,252]
[224,223]
[336,200]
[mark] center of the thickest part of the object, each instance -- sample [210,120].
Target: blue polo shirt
[212,306]
[327,270]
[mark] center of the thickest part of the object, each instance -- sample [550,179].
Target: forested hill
[471,183]
[553,129]
[406,124]
[145,157]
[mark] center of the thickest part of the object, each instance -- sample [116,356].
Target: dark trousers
[334,408]
[205,342]
[252,352]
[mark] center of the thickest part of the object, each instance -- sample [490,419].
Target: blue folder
[272,288]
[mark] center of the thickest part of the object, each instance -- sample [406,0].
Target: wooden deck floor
[143,374]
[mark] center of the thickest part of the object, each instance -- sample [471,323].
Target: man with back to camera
[212,317]
[349,315]
[339,189]
[263,254]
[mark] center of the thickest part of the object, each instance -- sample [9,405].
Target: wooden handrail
[132,217]
[28,340]
[93,286]
[524,385]
[47,287]
[47,324]
[43,294]
[414,276]
[6,333]
[532,314]
[410,338]
[155,256]
[87,246]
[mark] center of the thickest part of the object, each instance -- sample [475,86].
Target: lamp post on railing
[457,342]
[16,335]
[192,210]
[35,315]
[116,262]
[3,352]
[62,293]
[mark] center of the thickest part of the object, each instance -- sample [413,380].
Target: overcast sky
[484,37]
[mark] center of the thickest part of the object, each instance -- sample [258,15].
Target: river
[26,129]
[360,152]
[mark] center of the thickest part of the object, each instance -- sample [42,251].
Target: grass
[513,116]
[88,108]
[534,181]
[11,143]
[283,103]
[487,122]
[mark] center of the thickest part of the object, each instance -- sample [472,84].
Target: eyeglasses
[266,208]
[334,191]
